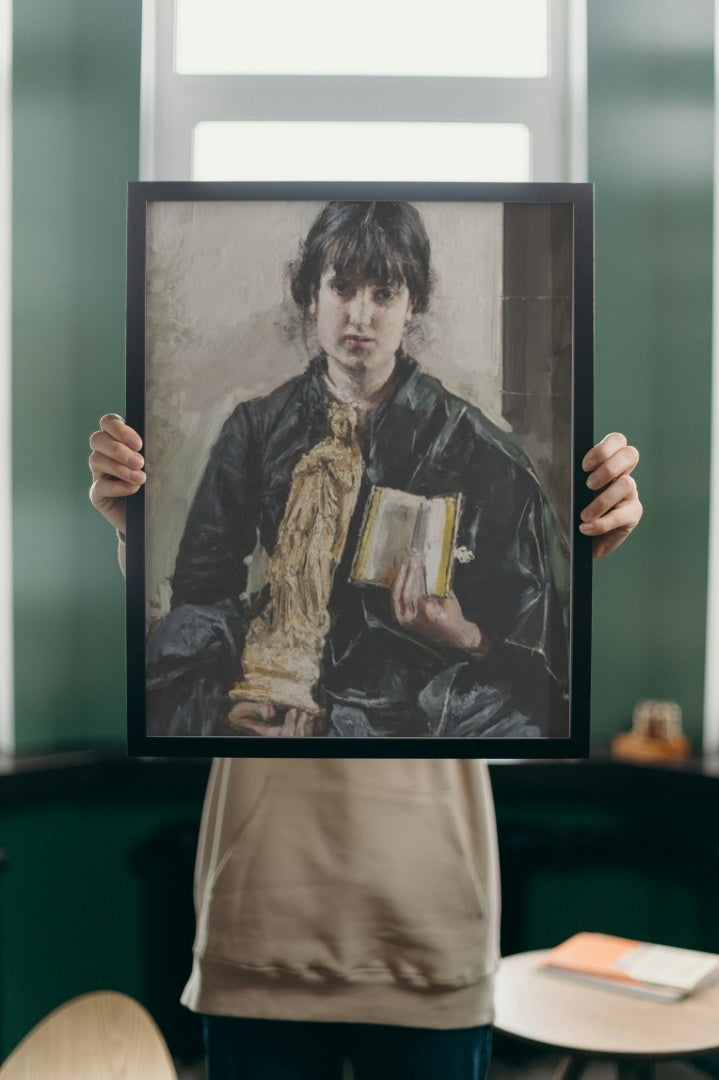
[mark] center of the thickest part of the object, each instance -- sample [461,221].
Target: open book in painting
[662,972]
[397,526]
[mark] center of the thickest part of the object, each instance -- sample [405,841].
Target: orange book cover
[657,970]
[592,954]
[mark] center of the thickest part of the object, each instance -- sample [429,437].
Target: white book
[661,972]
[397,526]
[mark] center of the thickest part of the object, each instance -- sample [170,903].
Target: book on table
[661,972]
[399,526]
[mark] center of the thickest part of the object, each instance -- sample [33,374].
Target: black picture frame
[546,314]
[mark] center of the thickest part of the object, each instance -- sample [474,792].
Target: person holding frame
[350,908]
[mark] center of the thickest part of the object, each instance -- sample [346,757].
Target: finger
[116,427]
[603,450]
[625,516]
[107,490]
[112,487]
[398,605]
[255,710]
[624,461]
[297,723]
[253,717]
[289,723]
[258,727]
[246,710]
[101,465]
[433,608]
[422,574]
[414,586]
[622,490]
[103,443]
[306,724]
[301,724]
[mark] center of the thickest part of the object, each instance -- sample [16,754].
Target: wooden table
[591,1022]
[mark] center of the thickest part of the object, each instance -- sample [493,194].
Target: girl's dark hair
[384,241]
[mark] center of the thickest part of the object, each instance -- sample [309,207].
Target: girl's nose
[360,307]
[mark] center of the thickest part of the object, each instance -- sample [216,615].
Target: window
[266,149]
[492,92]
[403,38]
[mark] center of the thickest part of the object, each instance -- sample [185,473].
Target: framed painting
[364,408]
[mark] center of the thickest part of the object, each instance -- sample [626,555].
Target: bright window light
[467,38]
[355,150]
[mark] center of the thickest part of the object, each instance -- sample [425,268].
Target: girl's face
[360,323]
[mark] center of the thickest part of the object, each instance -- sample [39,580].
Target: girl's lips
[356,339]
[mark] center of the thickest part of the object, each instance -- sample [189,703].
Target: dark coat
[378,679]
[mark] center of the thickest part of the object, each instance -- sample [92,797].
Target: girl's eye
[385,294]
[342,288]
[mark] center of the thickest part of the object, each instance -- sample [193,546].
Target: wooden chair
[99,1036]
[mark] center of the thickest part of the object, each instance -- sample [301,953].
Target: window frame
[553,107]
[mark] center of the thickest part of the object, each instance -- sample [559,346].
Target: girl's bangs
[366,255]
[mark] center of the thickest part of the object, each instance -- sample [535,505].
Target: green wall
[75,146]
[650,156]
[76,90]
[78,899]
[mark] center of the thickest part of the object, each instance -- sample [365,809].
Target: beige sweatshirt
[347,890]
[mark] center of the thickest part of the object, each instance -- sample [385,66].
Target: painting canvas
[363,409]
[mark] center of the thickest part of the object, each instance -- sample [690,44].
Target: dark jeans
[240,1049]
